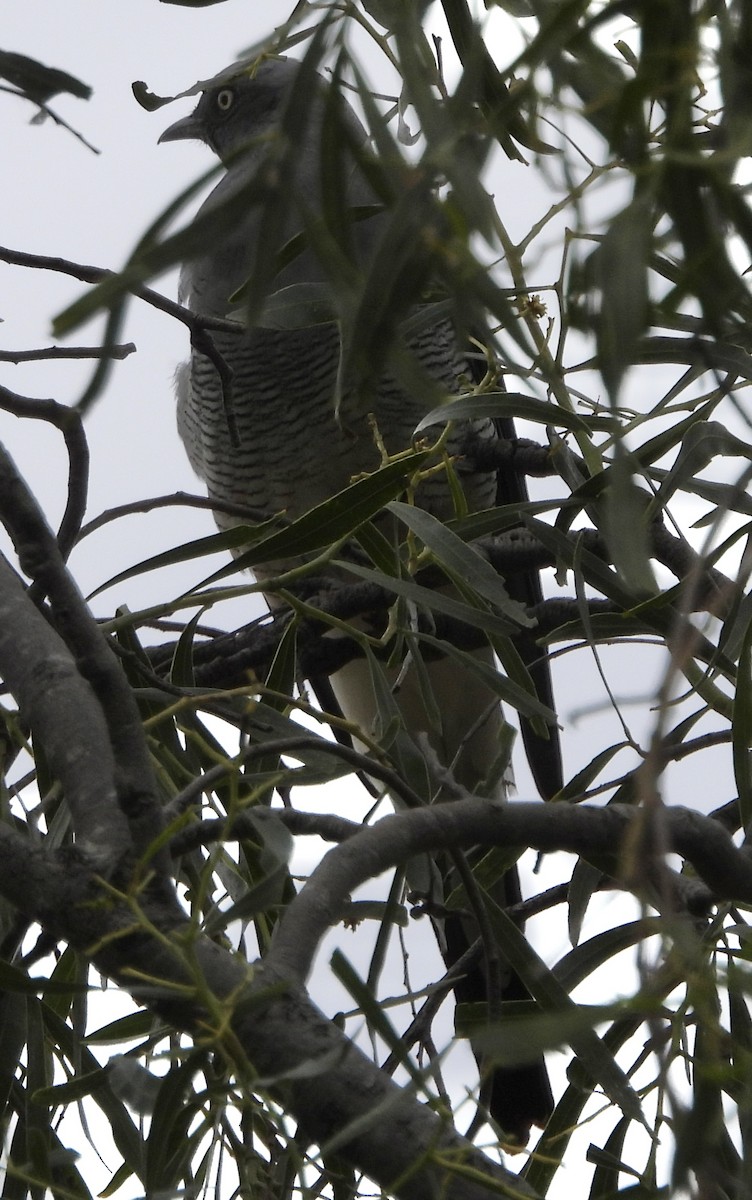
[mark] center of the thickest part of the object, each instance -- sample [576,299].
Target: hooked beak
[187,129]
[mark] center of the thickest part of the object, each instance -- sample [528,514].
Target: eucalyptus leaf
[461,559]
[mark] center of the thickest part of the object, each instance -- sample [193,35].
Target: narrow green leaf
[520,698]
[460,559]
[181,668]
[701,1136]
[741,1054]
[582,886]
[39,1071]
[375,1014]
[606,1174]
[625,527]
[135,1027]
[75,1089]
[124,1132]
[587,957]
[741,730]
[701,444]
[515,404]
[389,727]
[520,1035]
[298,306]
[12,1040]
[596,1059]
[215,543]
[434,600]
[265,896]
[167,1144]
[622,259]
[490,521]
[123,1173]
[333,520]
[550,1151]
[13,979]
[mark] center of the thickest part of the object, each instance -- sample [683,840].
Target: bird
[302,431]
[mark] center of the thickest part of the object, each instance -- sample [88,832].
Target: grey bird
[294,446]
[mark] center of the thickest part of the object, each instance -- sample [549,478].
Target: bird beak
[185,130]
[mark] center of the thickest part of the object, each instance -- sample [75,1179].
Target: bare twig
[42,106]
[88,274]
[69,422]
[198,326]
[175,500]
[21,356]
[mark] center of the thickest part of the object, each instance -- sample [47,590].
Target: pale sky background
[60,199]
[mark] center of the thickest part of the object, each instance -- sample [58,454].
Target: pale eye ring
[225,99]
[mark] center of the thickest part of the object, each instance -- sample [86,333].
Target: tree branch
[56,352]
[260,1019]
[174,500]
[67,718]
[69,422]
[226,660]
[199,327]
[40,559]
[581,829]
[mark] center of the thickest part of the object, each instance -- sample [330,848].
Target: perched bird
[302,434]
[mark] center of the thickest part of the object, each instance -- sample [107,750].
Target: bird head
[238,110]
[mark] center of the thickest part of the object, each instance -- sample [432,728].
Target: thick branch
[394,1139]
[226,660]
[581,829]
[66,718]
[40,559]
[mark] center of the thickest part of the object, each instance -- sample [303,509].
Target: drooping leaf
[38,82]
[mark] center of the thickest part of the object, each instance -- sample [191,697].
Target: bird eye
[225,99]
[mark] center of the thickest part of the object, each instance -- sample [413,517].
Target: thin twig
[69,422]
[198,326]
[20,356]
[175,500]
[49,112]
